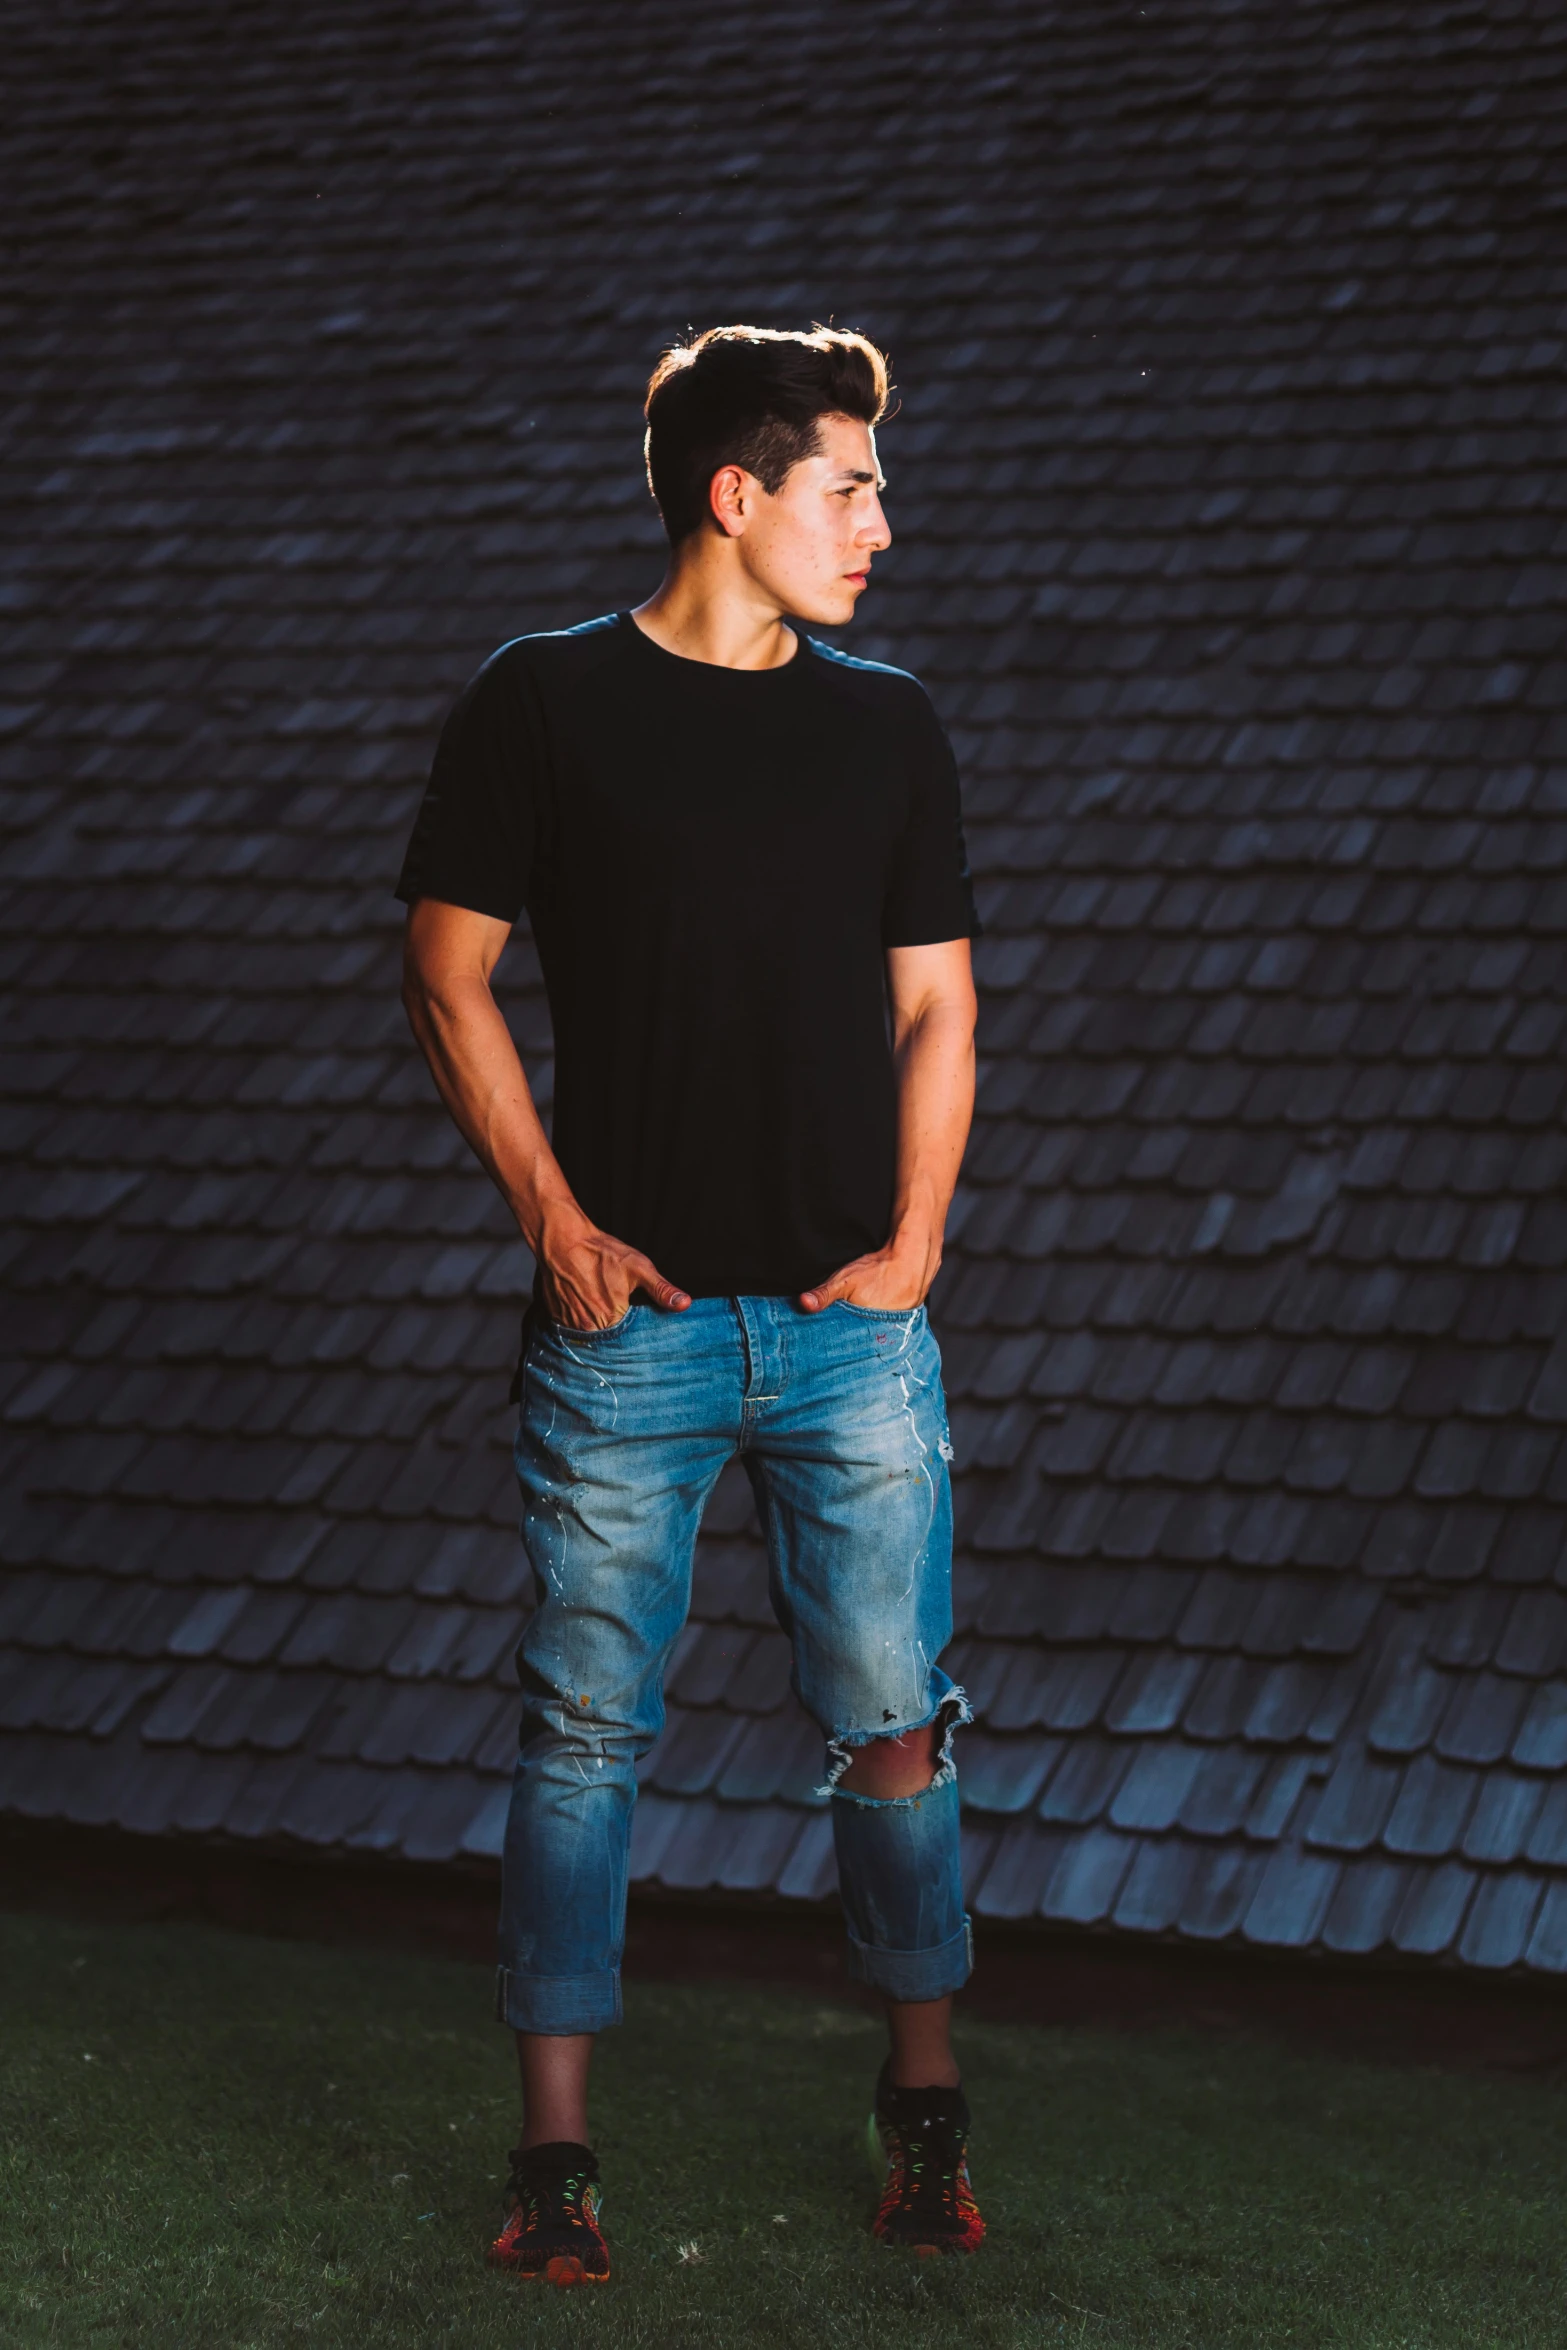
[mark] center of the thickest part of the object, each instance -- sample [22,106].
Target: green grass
[209,2139]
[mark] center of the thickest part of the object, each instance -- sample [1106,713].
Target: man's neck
[704,613]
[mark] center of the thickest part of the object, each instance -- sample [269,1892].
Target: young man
[740,851]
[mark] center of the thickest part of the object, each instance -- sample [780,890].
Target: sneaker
[553,2230]
[921,2137]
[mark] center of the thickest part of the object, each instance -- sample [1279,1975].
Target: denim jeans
[840,1422]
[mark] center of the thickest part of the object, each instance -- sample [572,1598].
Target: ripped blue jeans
[840,1421]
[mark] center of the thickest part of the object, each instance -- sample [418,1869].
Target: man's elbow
[944,1023]
[956,1012]
[439,1001]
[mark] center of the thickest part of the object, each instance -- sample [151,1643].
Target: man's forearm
[468,1046]
[587,1277]
[935,1066]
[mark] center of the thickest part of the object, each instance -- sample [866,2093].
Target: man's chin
[830,611]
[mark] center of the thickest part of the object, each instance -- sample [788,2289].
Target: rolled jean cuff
[914,1974]
[556,2004]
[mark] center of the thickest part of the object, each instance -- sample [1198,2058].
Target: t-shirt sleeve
[930,897]
[475,837]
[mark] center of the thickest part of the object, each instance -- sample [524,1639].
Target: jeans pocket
[907,1314]
[565,1334]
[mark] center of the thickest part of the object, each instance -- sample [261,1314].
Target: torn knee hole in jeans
[953,1711]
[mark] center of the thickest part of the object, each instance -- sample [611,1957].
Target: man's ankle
[942,2076]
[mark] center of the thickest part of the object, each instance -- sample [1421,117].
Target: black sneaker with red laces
[552,2230]
[921,2136]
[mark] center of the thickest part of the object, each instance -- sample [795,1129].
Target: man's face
[809,548]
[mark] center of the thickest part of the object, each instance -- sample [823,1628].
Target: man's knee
[889,1770]
[571,1733]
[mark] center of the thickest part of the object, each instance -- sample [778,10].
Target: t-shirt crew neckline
[683,663]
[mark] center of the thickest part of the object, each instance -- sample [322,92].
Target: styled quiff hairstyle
[751,396]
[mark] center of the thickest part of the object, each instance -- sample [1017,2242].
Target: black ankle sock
[928,2108]
[556,2154]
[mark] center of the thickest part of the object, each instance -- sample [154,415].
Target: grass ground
[213,2140]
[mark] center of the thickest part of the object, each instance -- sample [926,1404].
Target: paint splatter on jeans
[840,1422]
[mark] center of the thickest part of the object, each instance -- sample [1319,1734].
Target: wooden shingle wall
[1231,526]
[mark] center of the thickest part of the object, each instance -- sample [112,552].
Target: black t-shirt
[713,861]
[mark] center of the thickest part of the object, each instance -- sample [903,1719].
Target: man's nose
[876,533]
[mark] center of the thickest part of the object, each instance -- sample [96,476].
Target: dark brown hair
[752,396]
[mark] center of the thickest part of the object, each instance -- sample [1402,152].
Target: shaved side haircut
[752,396]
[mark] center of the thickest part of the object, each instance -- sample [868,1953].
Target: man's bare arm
[933,1011]
[587,1277]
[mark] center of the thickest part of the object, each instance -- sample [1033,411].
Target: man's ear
[731,495]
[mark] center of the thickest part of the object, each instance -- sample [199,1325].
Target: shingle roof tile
[810,1872]
[1433,1804]
[1503,1817]
[705,1835]
[1411,1704]
[1354,1805]
[1545,1947]
[1274,1805]
[1156,1886]
[1432,1910]
[1223,1792]
[1020,1864]
[1082,1784]
[692,1754]
[1291,1900]
[1365,1902]
[1496,1931]
[1541,1743]
[1005,1774]
[1482,1719]
[1082,1886]
[1223,1884]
